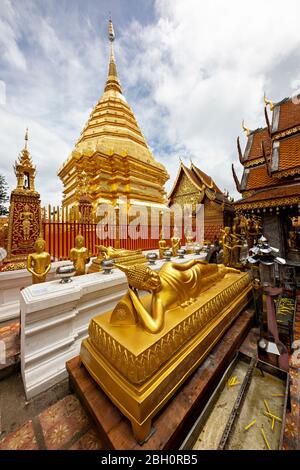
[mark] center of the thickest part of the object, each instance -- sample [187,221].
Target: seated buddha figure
[174,285]
[162,246]
[176,243]
[79,255]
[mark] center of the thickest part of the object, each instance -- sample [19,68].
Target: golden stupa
[114,154]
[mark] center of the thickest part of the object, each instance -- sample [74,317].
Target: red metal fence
[60,237]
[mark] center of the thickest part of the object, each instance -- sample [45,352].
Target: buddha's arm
[154,323]
[49,265]
[29,265]
[188,264]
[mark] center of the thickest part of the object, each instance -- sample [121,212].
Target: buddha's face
[79,241]
[227,230]
[152,280]
[39,246]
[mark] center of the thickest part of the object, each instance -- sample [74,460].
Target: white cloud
[191,76]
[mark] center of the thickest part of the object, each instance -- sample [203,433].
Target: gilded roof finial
[26,138]
[268,102]
[113,82]
[246,129]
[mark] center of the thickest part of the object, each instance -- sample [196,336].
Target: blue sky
[191,71]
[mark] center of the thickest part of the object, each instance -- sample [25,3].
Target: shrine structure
[270,185]
[192,186]
[118,165]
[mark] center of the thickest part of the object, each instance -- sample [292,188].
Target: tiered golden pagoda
[24,225]
[114,154]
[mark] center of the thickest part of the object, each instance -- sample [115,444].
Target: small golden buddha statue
[79,255]
[236,242]
[189,242]
[226,242]
[174,285]
[39,263]
[176,244]
[162,246]
[292,241]
[251,232]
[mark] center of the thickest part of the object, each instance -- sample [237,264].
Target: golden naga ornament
[39,263]
[79,255]
[142,352]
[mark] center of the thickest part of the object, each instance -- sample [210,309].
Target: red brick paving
[65,424]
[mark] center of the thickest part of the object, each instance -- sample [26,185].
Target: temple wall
[11,283]
[213,220]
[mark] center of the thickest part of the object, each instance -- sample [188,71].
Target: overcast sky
[190,69]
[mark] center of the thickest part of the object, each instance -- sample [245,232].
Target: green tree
[3,196]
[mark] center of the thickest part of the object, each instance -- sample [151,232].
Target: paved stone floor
[65,425]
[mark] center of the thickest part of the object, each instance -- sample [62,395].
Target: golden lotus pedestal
[140,371]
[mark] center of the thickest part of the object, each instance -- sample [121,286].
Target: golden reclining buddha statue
[142,351]
[127,257]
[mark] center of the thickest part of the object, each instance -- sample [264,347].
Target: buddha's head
[141,277]
[227,230]
[79,241]
[39,245]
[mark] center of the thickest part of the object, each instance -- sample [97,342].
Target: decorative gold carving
[268,203]
[253,162]
[282,134]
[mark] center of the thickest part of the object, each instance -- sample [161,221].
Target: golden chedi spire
[112,148]
[112,82]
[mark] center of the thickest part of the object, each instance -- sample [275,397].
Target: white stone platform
[11,283]
[55,319]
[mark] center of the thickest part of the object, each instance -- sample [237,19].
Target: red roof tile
[272,193]
[289,153]
[289,115]
[259,136]
[258,178]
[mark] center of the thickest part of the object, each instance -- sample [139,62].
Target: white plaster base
[11,283]
[55,319]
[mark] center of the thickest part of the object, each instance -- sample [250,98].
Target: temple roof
[201,182]
[257,177]
[271,197]
[253,149]
[112,127]
[286,114]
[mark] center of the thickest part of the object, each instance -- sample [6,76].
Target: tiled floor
[10,335]
[65,424]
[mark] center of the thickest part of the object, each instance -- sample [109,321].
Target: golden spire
[268,102]
[112,82]
[26,138]
[246,129]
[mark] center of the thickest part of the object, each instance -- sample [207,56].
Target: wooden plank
[173,422]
